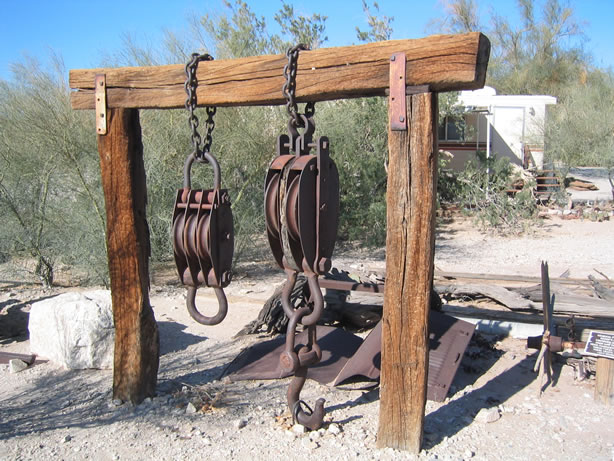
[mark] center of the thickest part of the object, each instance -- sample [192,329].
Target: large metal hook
[301,413]
[308,355]
[196,315]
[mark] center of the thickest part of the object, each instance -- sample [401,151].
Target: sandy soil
[51,413]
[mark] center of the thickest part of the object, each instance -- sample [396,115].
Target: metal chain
[210,126]
[191,102]
[297,315]
[289,88]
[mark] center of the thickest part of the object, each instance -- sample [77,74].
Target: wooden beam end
[483,56]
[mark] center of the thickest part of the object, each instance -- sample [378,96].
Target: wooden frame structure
[432,64]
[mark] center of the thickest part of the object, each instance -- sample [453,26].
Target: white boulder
[74,329]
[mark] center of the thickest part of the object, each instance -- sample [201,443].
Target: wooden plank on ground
[136,354]
[497,293]
[513,278]
[564,302]
[583,325]
[444,62]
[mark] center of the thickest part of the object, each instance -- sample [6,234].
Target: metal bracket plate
[100,85]
[397,105]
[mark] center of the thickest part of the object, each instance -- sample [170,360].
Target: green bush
[481,190]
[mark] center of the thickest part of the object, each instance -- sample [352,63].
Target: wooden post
[136,333]
[604,381]
[410,243]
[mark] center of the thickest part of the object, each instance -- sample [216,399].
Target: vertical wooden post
[410,243]
[136,333]
[604,381]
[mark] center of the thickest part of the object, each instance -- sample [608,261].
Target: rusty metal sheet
[448,339]
[345,356]
[261,361]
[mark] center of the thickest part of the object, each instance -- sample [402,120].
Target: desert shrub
[481,190]
[50,189]
[358,133]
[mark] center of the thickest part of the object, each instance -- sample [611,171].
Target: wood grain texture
[410,243]
[444,62]
[604,381]
[137,353]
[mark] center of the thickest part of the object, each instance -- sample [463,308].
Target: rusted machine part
[302,212]
[289,358]
[555,343]
[203,240]
[299,362]
[302,204]
[544,358]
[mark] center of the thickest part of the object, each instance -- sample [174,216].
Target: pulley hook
[301,413]
[196,315]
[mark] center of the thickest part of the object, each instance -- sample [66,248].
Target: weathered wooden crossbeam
[443,62]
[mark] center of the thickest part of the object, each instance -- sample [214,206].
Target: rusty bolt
[401,118]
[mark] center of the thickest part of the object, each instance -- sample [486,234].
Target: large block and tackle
[301,207]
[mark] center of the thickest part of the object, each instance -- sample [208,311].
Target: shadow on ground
[459,413]
[174,338]
[14,317]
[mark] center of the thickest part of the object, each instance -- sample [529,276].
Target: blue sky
[84,32]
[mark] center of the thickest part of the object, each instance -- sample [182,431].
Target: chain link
[191,102]
[289,88]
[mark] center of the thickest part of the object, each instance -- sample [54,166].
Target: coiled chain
[190,104]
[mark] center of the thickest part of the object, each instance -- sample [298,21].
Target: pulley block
[302,205]
[203,239]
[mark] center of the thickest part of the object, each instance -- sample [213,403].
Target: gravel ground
[492,412]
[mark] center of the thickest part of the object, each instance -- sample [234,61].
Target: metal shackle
[207,158]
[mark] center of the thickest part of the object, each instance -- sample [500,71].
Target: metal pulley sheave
[202,229]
